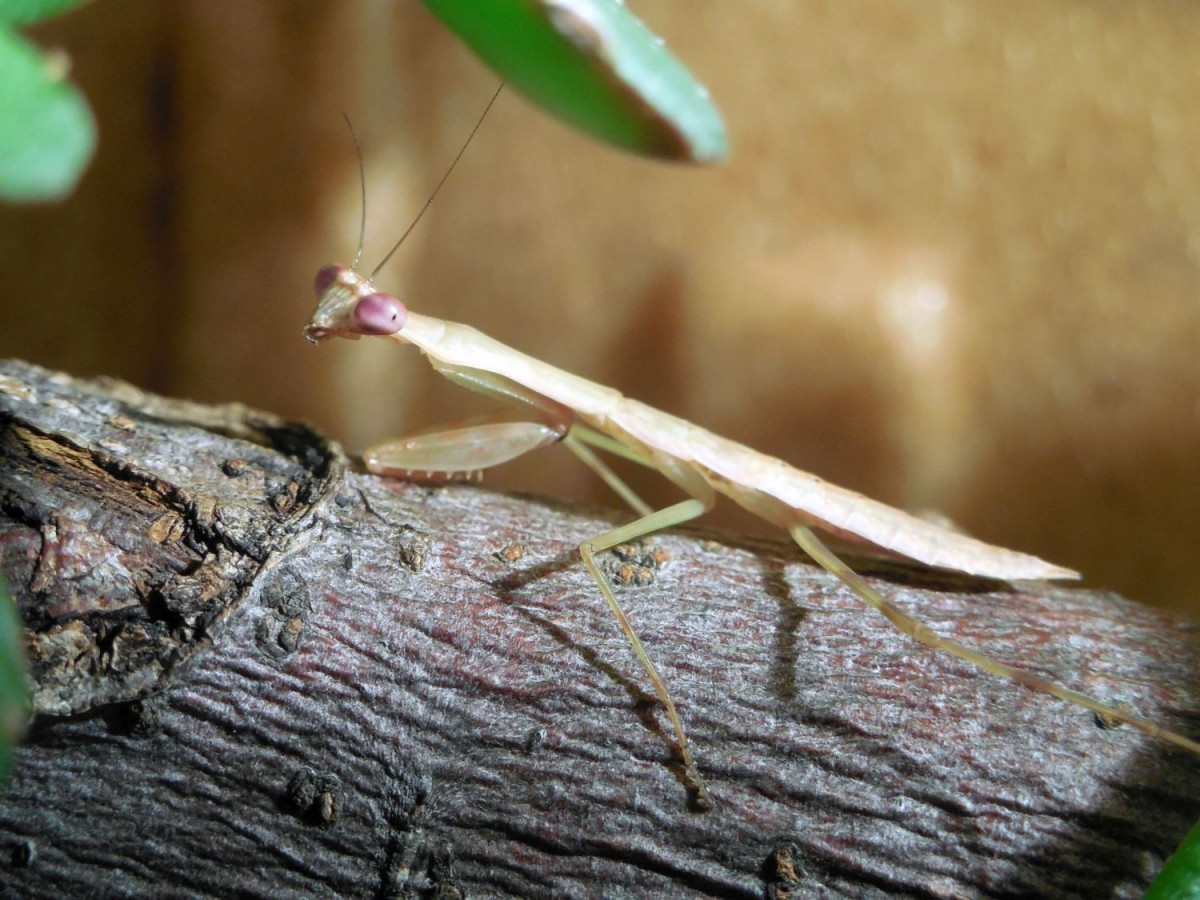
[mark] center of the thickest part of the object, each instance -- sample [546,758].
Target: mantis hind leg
[650,521]
[828,560]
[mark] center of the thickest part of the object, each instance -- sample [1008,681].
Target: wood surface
[263,672]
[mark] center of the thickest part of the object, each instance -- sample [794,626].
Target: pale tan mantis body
[583,414]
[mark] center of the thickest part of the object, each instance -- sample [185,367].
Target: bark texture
[261,672]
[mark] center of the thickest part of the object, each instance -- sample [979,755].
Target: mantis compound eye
[379,314]
[326,276]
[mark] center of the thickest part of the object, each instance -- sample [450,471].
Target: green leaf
[26,12]
[594,65]
[47,134]
[1180,876]
[14,689]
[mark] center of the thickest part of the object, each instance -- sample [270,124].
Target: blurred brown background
[954,261]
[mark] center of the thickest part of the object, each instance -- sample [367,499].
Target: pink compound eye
[326,276]
[379,314]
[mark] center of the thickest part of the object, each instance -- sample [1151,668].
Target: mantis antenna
[362,181]
[362,177]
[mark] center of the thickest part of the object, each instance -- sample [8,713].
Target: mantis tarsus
[584,415]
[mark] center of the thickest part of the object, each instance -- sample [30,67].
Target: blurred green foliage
[47,133]
[1180,876]
[14,689]
[595,66]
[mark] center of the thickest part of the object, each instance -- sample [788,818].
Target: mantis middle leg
[440,455]
[649,522]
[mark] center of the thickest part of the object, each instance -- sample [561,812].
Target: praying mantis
[585,416]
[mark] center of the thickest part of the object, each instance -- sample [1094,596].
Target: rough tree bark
[260,671]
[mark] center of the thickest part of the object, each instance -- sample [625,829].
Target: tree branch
[259,670]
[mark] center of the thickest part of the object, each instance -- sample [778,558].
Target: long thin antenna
[362,180]
[429,202]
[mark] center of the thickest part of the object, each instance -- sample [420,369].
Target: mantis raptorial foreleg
[459,453]
[438,456]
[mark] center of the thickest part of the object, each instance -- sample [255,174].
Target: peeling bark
[260,671]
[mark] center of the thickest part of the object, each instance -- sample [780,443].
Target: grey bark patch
[123,563]
[419,866]
[140,718]
[511,552]
[786,873]
[315,796]
[535,739]
[24,854]
[413,548]
[633,564]
[417,862]
[286,603]
[235,468]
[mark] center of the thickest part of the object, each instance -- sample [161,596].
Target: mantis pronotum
[584,415]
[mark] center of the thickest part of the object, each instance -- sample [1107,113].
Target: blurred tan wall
[954,261]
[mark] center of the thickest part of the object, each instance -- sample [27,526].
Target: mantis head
[348,305]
